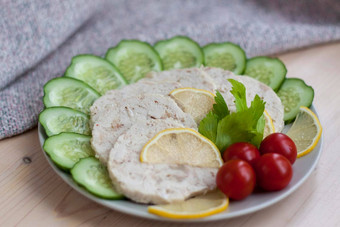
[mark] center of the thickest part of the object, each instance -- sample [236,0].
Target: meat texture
[144,86]
[192,77]
[154,183]
[113,115]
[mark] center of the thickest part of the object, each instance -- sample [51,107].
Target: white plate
[302,168]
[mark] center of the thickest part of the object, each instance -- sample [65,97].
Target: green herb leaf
[234,128]
[245,125]
[239,92]
[259,131]
[220,107]
[257,109]
[208,126]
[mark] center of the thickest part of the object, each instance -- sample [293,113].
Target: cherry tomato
[273,172]
[281,144]
[236,179]
[244,151]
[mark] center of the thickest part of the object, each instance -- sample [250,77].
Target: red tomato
[236,179]
[244,151]
[281,144]
[273,172]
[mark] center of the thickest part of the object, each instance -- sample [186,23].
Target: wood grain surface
[31,194]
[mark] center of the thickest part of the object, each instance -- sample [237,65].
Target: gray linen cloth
[38,38]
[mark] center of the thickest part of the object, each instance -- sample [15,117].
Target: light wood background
[31,194]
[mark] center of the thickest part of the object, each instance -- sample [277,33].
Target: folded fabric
[38,38]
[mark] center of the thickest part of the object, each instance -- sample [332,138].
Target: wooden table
[31,194]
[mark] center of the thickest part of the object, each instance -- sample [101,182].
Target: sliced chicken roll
[113,115]
[192,77]
[154,183]
[143,86]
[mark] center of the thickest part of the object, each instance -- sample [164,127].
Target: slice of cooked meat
[154,183]
[114,113]
[143,86]
[191,77]
[273,103]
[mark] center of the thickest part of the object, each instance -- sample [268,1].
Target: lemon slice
[201,206]
[305,131]
[269,126]
[196,102]
[181,146]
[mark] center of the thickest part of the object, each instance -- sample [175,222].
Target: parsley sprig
[245,125]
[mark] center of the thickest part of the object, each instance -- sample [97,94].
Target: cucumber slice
[134,59]
[227,56]
[180,52]
[69,92]
[270,71]
[93,176]
[294,93]
[63,119]
[96,72]
[67,148]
